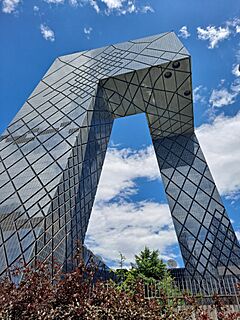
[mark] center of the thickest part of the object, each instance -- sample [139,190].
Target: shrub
[75,296]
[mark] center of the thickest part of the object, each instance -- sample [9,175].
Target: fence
[204,291]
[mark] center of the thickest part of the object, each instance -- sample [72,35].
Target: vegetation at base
[75,296]
[149,269]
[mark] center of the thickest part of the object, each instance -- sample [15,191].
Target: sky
[130,209]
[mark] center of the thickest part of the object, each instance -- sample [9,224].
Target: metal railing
[204,291]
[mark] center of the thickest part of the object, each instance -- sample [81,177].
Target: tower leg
[208,243]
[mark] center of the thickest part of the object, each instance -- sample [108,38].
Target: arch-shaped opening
[130,209]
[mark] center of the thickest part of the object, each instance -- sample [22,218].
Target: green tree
[149,266]
[151,271]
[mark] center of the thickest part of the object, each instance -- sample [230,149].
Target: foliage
[148,266]
[152,272]
[74,296]
[149,269]
[71,296]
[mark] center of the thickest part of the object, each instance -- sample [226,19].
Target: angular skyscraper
[53,151]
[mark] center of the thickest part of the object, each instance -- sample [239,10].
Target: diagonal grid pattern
[52,153]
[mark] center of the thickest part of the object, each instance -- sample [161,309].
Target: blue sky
[130,209]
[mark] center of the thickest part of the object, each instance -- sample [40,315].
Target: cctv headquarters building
[52,153]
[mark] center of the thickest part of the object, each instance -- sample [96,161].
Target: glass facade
[53,151]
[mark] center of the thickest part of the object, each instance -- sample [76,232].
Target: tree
[121,273]
[122,259]
[149,266]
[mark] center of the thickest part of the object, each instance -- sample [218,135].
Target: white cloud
[236,70]
[113,4]
[233,22]
[73,3]
[220,142]
[123,167]
[123,225]
[128,227]
[94,4]
[131,7]
[222,97]
[123,7]
[146,9]
[87,31]
[47,33]
[120,7]
[236,86]
[216,34]
[199,94]
[213,34]
[9,6]
[233,196]
[184,33]
[35,8]
[226,96]
[54,1]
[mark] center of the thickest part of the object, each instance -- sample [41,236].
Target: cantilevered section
[53,151]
